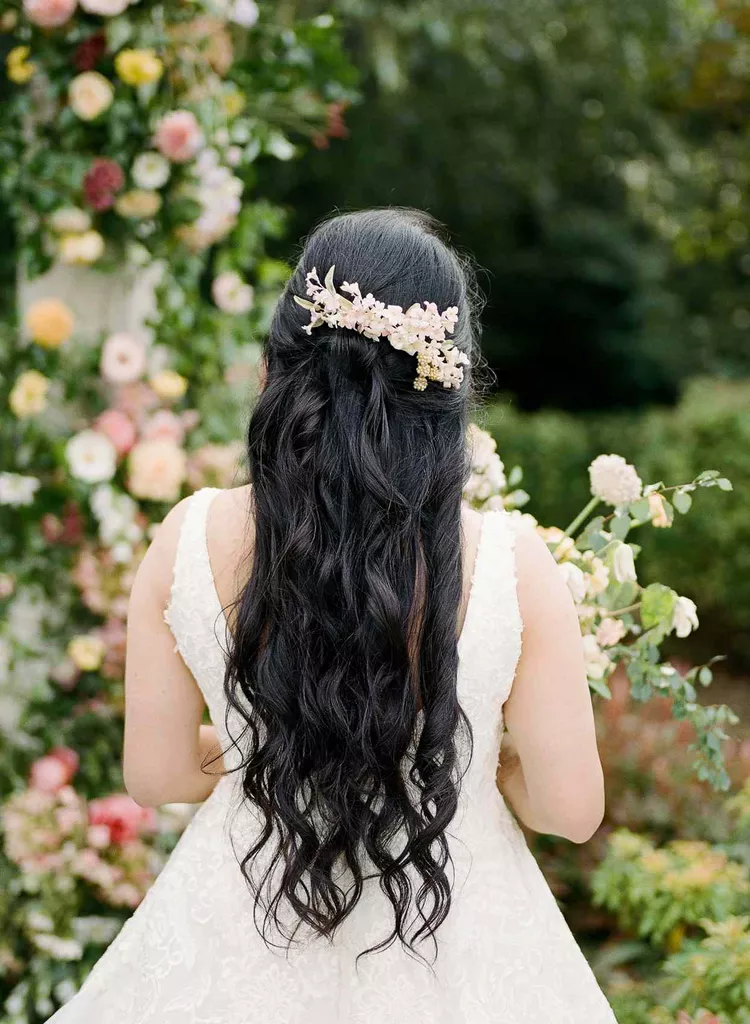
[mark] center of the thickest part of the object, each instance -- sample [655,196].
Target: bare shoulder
[541,585]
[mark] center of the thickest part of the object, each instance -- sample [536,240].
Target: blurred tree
[558,141]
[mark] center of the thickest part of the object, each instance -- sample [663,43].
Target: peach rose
[90,94]
[157,470]
[178,136]
[49,322]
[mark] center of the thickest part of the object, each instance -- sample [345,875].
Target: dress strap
[194,612]
[493,628]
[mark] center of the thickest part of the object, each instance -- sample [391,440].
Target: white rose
[91,457]
[575,580]
[614,480]
[623,564]
[17,490]
[231,294]
[150,170]
[685,617]
[107,8]
[69,220]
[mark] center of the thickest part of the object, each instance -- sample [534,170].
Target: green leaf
[515,476]
[118,32]
[657,605]
[305,303]
[600,687]
[620,526]
[597,541]
[640,510]
[724,484]
[329,282]
[705,676]
[682,501]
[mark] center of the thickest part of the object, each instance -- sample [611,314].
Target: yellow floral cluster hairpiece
[418,331]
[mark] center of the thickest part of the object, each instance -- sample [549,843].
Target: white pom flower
[685,617]
[623,564]
[614,480]
[17,490]
[150,170]
[91,457]
[597,662]
[575,580]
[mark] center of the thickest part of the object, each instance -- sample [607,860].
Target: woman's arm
[550,771]
[165,742]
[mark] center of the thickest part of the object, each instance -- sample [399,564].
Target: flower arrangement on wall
[129,137]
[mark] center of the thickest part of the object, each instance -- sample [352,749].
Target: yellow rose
[168,385]
[29,394]
[86,652]
[49,322]
[84,248]
[90,94]
[20,68]
[138,203]
[138,67]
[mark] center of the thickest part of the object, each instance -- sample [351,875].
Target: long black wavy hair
[342,659]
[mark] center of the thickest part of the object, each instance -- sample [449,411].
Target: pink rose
[178,136]
[119,428]
[49,13]
[135,399]
[124,817]
[53,771]
[164,426]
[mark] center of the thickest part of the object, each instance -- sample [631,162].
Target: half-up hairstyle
[343,659]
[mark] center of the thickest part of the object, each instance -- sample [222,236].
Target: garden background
[159,162]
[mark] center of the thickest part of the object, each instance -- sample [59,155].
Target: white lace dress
[190,954]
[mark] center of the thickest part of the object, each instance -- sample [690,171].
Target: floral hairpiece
[418,331]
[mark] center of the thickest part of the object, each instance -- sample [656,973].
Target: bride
[367,648]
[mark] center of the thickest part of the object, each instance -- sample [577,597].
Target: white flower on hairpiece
[418,331]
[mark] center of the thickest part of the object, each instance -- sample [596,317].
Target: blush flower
[157,470]
[657,511]
[49,13]
[610,632]
[123,359]
[231,294]
[164,425]
[119,428]
[178,136]
[614,481]
[53,771]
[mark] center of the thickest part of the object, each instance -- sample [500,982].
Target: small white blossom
[17,490]
[614,480]
[685,617]
[575,580]
[597,662]
[244,13]
[623,564]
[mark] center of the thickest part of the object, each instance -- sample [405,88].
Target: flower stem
[623,611]
[582,517]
